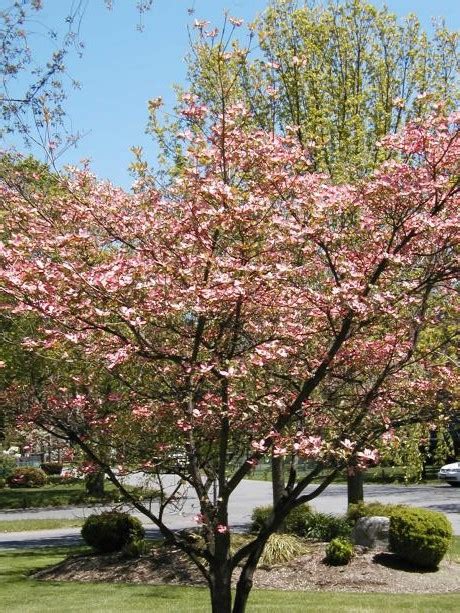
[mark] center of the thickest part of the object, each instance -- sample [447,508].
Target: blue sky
[122,68]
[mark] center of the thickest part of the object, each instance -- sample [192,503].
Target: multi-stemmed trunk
[220,578]
[221,592]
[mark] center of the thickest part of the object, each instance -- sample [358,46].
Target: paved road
[439,497]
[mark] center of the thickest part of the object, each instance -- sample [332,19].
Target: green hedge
[419,536]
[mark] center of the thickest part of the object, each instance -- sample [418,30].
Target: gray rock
[371,532]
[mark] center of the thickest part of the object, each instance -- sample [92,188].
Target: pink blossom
[199,518]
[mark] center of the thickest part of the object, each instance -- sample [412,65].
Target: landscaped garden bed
[367,572]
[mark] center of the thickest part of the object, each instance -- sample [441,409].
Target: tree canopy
[250,307]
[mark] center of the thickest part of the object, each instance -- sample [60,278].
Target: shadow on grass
[391,560]
[44,552]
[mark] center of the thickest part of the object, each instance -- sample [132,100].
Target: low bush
[304,522]
[2,483]
[325,527]
[372,509]
[298,520]
[339,552]
[7,465]
[27,477]
[419,536]
[51,468]
[295,523]
[134,549]
[111,531]
[259,517]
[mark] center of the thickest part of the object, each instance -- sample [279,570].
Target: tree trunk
[221,590]
[94,483]
[355,488]
[278,482]
[242,594]
[244,585]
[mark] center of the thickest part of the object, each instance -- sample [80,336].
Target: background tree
[343,74]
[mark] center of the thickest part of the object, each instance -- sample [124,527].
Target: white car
[450,473]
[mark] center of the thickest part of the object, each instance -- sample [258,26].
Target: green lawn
[48,496]
[379,474]
[61,495]
[19,594]
[24,525]
[454,551]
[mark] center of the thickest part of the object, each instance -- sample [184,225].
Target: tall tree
[238,304]
[342,75]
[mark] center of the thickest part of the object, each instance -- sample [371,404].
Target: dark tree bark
[278,482]
[94,484]
[221,593]
[355,488]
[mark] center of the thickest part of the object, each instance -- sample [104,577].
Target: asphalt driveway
[438,497]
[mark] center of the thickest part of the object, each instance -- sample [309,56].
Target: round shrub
[339,552]
[419,536]
[51,468]
[27,477]
[111,531]
[2,483]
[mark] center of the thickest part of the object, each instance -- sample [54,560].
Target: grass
[60,495]
[25,525]
[454,551]
[20,593]
[49,496]
[379,474]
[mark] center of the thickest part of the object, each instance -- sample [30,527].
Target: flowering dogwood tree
[250,308]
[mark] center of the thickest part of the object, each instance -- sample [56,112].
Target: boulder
[371,532]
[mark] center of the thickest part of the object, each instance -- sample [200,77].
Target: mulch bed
[367,572]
